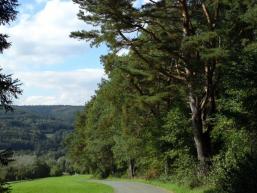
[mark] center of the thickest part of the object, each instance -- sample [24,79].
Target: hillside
[36,129]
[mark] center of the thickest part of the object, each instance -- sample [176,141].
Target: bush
[101,174]
[239,178]
[235,167]
[55,171]
[185,170]
[40,170]
[4,188]
[152,174]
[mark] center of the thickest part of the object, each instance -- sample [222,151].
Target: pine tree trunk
[201,138]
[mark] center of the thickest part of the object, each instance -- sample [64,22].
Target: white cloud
[44,100]
[43,38]
[139,3]
[123,52]
[41,1]
[73,87]
[40,40]
[146,1]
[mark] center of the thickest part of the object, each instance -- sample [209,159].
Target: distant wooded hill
[37,129]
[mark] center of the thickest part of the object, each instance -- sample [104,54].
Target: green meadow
[66,184]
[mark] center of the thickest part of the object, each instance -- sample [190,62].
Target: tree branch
[188,29]
[207,14]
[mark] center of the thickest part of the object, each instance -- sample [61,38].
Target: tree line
[37,129]
[180,104]
[28,167]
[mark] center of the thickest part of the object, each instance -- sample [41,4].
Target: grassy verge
[175,188]
[65,184]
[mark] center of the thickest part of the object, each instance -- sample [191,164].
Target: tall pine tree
[9,88]
[195,39]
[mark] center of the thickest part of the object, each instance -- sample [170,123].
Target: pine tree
[193,37]
[7,14]
[9,88]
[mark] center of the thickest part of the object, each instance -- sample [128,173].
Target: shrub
[235,167]
[40,170]
[101,174]
[4,188]
[239,178]
[152,174]
[55,171]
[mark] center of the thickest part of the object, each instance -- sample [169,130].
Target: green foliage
[7,13]
[38,129]
[4,187]
[6,156]
[31,167]
[177,132]
[97,142]
[9,87]
[238,177]
[181,104]
[56,171]
[179,149]
[235,161]
[37,169]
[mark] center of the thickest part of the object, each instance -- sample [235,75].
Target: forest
[178,104]
[37,129]
[36,135]
[180,100]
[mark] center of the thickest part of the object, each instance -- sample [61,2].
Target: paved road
[131,187]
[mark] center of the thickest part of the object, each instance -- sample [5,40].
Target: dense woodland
[179,103]
[36,135]
[37,129]
[180,100]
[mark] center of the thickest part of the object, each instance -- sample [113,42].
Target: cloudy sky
[53,68]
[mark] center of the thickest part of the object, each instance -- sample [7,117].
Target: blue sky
[53,68]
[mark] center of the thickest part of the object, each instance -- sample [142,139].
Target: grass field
[66,184]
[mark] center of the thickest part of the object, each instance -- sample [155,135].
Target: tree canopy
[185,90]
[9,88]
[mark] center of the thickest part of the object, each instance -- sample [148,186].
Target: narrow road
[131,187]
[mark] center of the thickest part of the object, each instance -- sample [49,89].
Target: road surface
[131,187]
